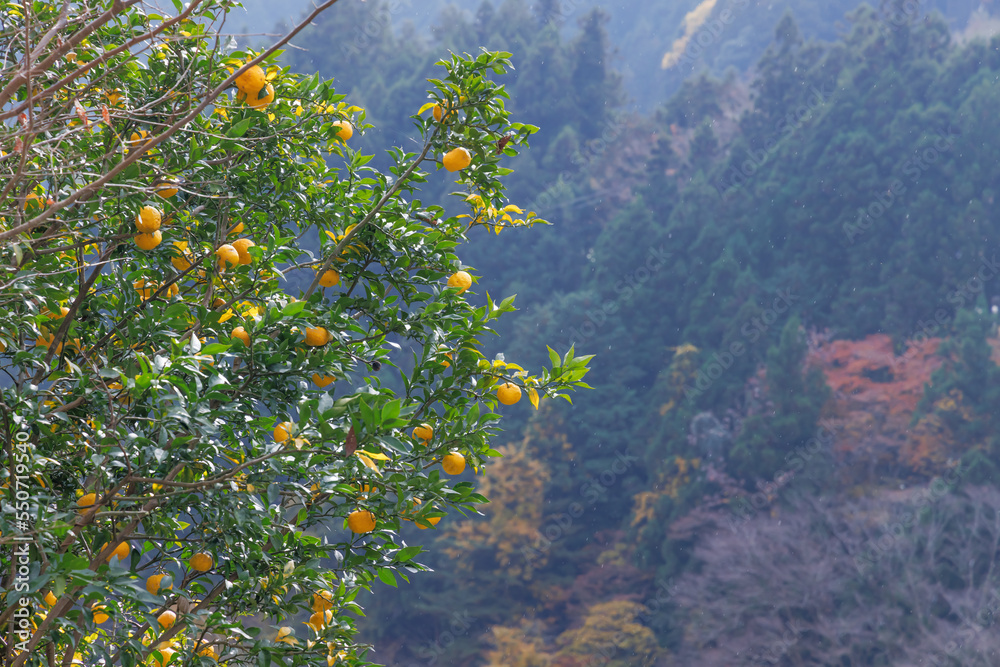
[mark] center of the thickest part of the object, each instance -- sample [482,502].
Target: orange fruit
[99,615]
[46,339]
[33,202]
[453,463]
[361,521]
[149,241]
[460,279]
[282,431]
[183,261]
[329,278]
[228,256]
[149,219]
[153,583]
[165,654]
[439,112]
[237,229]
[87,501]
[166,188]
[322,381]
[167,619]
[145,290]
[121,551]
[423,432]
[433,520]
[322,600]
[51,599]
[346,130]
[251,81]
[241,246]
[317,336]
[201,562]
[260,103]
[136,138]
[457,159]
[509,393]
[209,652]
[241,333]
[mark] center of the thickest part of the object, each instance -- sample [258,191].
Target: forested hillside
[785,272]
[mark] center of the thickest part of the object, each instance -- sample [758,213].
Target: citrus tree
[236,359]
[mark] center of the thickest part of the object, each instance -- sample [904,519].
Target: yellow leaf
[515,367]
[378,456]
[332,236]
[227,315]
[367,461]
[429,105]
[533,396]
[511,207]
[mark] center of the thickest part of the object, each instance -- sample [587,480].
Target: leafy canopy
[185,385]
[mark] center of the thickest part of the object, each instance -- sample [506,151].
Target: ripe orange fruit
[241,246]
[166,188]
[460,279]
[33,203]
[149,241]
[228,256]
[183,261]
[457,159]
[423,432]
[453,463]
[241,333]
[135,140]
[322,600]
[433,520]
[322,381]
[87,501]
[121,551]
[320,619]
[329,278]
[346,130]
[509,393]
[167,619]
[51,599]
[439,112]
[260,103]
[201,562]
[361,521]
[165,654]
[238,229]
[149,219]
[145,290]
[317,336]
[282,431]
[153,583]
[209,652]
[99,615]
[251,81]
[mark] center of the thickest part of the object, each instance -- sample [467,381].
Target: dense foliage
[751,230]
[196,460]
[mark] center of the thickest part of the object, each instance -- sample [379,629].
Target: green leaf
[387,577]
